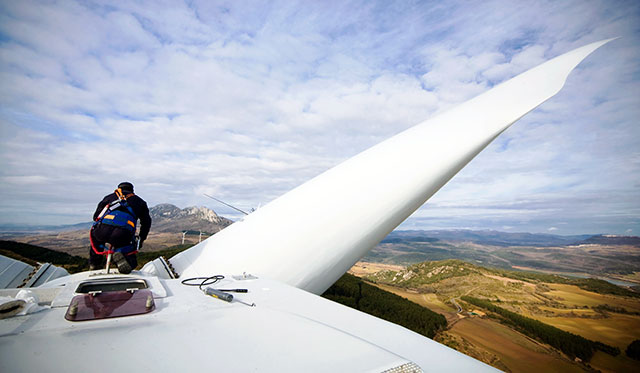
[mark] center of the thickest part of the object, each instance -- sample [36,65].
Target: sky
[247,100]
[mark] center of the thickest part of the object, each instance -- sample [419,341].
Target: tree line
[590,284]
[571,344]
[355,293]
[32,255]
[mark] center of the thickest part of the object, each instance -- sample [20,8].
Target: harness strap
[122,198]
[121,195]
[95,250]
[108,211]
[107,251]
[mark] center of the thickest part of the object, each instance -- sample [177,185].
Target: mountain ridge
[170,218]
[490,237]
[164,219]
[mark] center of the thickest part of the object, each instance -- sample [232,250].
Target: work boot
[121,263]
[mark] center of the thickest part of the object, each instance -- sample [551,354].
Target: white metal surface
[289,330]
[312,235]
[14,273]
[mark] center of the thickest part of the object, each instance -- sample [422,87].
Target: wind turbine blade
[312,235]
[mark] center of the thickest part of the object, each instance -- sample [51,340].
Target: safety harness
[118,214]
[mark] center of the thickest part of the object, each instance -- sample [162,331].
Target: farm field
[364,268]
[611,319]
[430,301]
[517,352]
[571,295]
[490,341]
[616,330]
[610,364]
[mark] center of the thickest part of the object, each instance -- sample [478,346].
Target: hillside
[605,317]
[353,292]
[420,276]
[609,256]
[33,255]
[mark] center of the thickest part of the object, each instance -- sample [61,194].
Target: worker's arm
[145,220]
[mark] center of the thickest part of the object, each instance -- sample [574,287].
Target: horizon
[399,229]
[246,102]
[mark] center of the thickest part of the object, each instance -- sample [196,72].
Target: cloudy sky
[246,100]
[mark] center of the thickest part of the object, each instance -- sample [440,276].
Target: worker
[115,223]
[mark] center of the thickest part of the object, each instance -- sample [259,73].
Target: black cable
[212,279]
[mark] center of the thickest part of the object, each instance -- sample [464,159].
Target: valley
[614,258]
[602,317]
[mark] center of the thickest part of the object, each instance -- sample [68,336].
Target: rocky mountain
[170,218]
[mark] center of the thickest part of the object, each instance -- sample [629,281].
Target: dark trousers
[101,235]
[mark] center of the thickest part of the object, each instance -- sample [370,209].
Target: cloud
[246,101]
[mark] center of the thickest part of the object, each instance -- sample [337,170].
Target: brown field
[430,301]
[517,352]
[607,363]
[616,330]
[505,280]
[572,295]
[611,328]
[564,306]
[555,312]
[502,347]
[365,268]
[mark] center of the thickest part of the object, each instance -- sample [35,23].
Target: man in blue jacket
[115,223]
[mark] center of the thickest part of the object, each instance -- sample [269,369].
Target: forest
[355,293]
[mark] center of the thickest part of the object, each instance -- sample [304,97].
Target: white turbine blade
[312,235]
